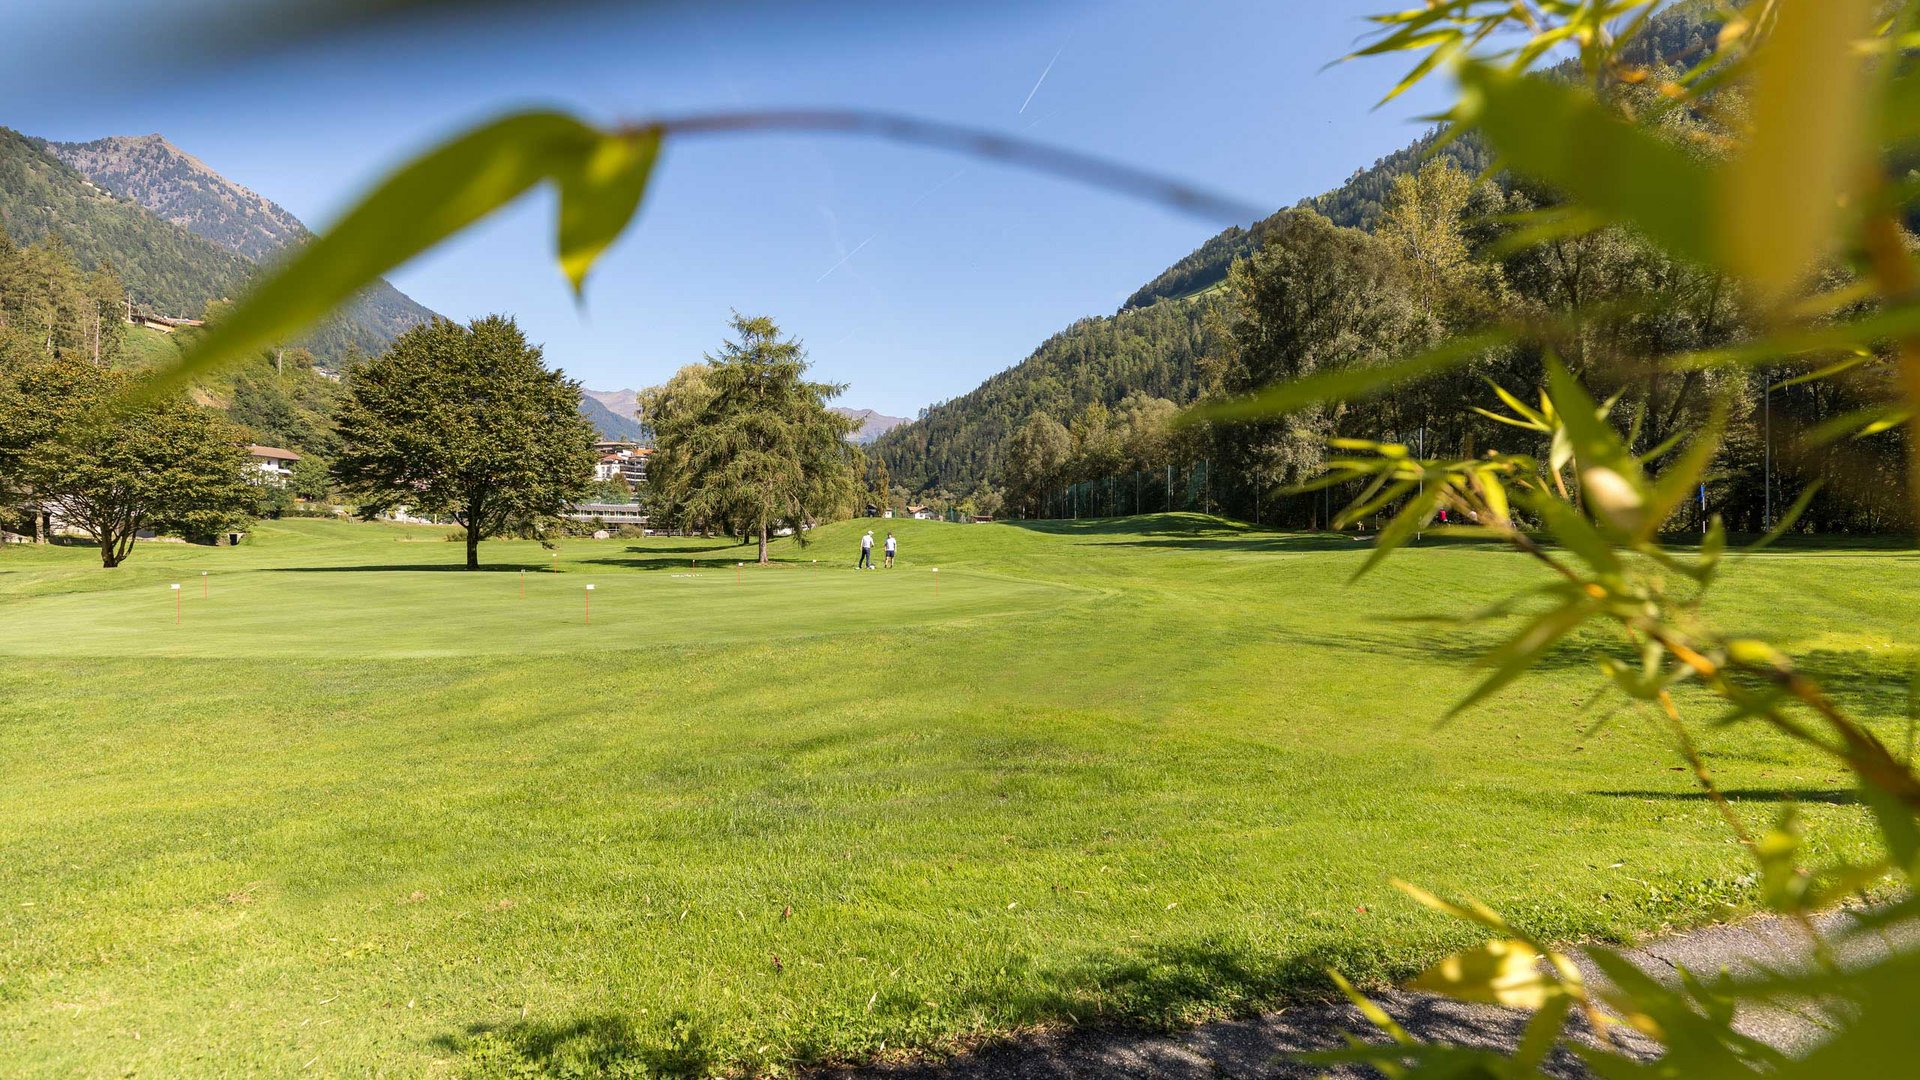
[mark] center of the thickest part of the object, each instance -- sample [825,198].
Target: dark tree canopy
[465,421]
[746,442]
[113,464]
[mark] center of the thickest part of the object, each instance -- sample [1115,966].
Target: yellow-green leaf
[1556,132]
[598,197]
[1783,193]
[1497,973]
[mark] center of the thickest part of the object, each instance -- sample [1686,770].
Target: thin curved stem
[975,142]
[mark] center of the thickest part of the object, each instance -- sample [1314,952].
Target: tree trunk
[763,543]
[473,544]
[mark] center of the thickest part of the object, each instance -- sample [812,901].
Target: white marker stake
[589,605]
[936,581]
[737,567]
[204,586]
[176,602]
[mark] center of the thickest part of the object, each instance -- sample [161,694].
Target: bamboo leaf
[1553,131]
[1681,477]
[1783,195]
[1595,443]
[1348,383]
[1800,504]
[1496,973]
[1575,533]
[1402,528]
[1858,424]
[1477,913]
[1891,322]
[1374,1013]
[1514,658]
[599,194]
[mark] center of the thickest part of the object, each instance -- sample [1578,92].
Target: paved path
[1255,1047]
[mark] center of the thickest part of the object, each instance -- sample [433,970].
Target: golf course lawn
[362,813]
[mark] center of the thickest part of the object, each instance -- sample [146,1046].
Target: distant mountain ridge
[163,266]
[184,192]
[619,402]
[872,424]
[179,187]
[613,412]
[613,424]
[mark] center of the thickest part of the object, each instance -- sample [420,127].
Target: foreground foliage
[1803,103]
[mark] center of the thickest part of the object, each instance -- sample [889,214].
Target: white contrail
[844,258]
[950,178]
[1042,78]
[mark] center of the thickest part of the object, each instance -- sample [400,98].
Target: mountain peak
[151,171]
[873,424]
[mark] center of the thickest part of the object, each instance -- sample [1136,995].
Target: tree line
[461,421]
[77,447]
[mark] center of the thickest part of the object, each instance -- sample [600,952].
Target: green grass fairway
[362,814]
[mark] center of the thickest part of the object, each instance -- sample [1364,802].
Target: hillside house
[274,463]
[161,323]
[625,461]
[921,513]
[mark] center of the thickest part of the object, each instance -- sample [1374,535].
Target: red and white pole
[523,584]
[936,581]
[589,605]
[204,587]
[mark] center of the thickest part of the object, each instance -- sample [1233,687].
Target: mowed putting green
[311,599]
[360,814]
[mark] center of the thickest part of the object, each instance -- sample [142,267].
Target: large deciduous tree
[1036,460]
[113,464]
[466,421]
[748,442]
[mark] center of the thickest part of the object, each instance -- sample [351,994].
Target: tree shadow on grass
[597,1046]
[386,568]
[1836,797]
[682,564]
[1133,1017]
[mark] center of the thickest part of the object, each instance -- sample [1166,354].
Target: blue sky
[910,274]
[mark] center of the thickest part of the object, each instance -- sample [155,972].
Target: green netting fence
[1147,491]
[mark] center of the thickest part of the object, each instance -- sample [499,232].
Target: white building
[608,513]
[276,464]
[629,463]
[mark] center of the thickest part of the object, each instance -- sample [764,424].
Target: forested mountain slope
[1152,343]
[164,267]
[174,185]
[958,443]
[1356,204]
